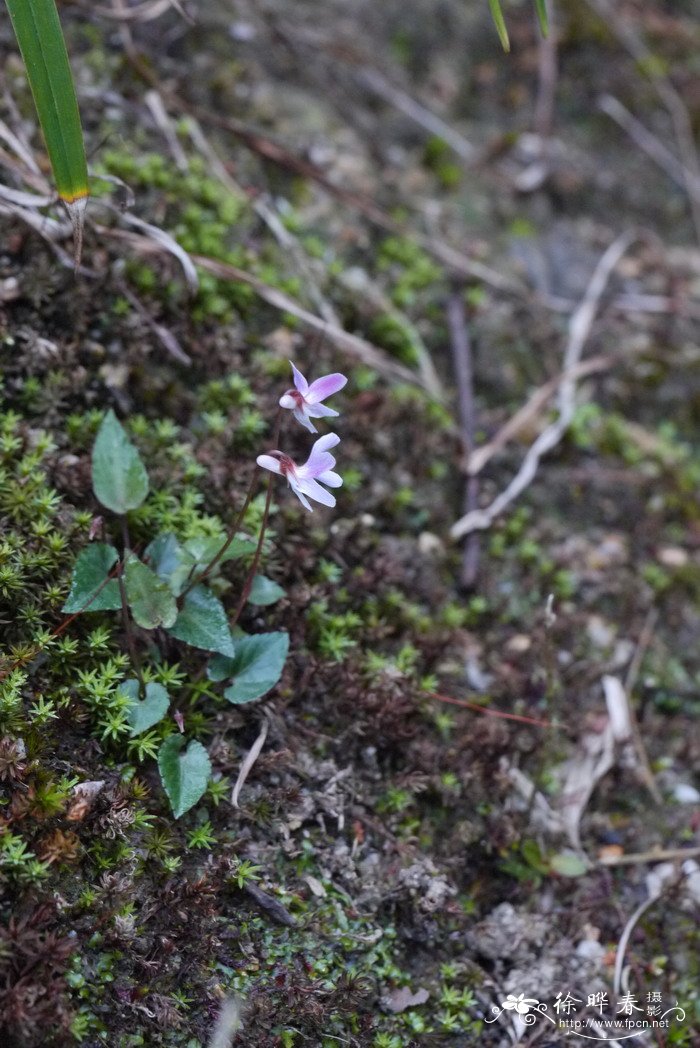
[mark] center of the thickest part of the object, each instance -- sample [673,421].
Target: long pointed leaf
[541,7]
[499,22]
[40,38]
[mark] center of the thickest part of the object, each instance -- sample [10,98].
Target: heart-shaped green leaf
[144,713]
[119,477]
[184,774]
[256,667]
[150,599]
[170,561]
[91,569]
[202,623]
[264,591]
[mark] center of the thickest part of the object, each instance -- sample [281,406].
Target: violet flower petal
[268,462]
[299,380]
[320,411]
[313,489]
[319,464]
[301,415]
[323,387]
[300,494]
[333,480]
[328,440]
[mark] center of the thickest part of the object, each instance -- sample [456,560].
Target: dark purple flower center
[286,463]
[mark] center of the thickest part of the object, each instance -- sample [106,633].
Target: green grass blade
[499,22]
[541,8]
[40,38]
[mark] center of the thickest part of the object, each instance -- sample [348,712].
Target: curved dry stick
[579,329]
[625,938]
[145,12]
[359,348]
[247,765]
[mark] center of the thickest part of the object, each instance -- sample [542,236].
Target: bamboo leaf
[40,38]
[499,22]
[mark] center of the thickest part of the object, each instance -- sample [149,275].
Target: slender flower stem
[136,662]
[229,539]
[237,522]
[125,533]
[133,654]
[256,559]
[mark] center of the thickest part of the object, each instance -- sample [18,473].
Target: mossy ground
[378,831]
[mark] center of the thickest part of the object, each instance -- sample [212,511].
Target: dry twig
[643,643]
[154,101]
[267,213]
[353,345]
[377,83]
[651,856]
[529,411]
[145,12]
[248,763]
[650,144]
[675,106]
[464,374]
[579,329]
[164,336]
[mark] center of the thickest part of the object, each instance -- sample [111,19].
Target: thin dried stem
[579,329]
[464,375]
[247,765]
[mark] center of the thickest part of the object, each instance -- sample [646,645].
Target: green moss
[439,158]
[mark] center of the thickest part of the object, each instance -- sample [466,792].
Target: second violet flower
[306,480]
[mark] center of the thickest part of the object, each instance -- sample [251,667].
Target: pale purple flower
[305,400]
[306,480]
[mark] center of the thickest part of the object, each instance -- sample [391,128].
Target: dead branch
[164,336]
[144,12]
[675,106]
[375,82]
[529,411]
[464,374]
[353,345]
[267,213]
[154,101]
[579,329]
[651,856]
[650,144]
[248,763]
